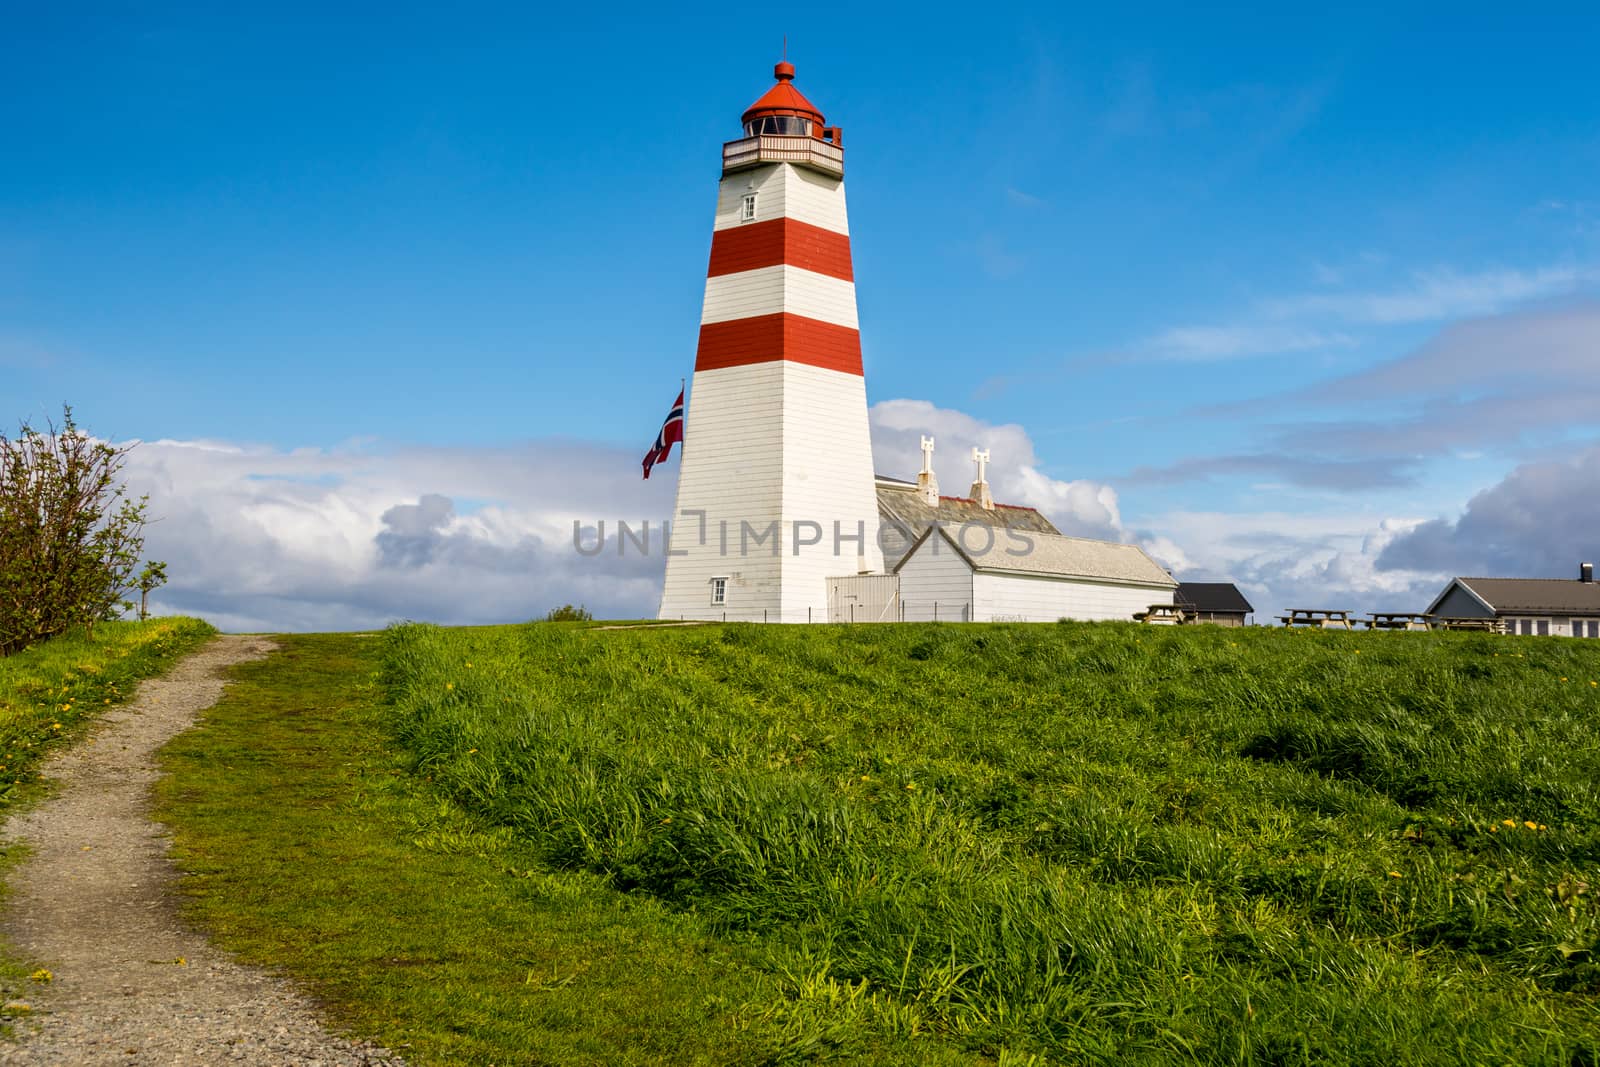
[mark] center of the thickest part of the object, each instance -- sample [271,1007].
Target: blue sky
[1221,262]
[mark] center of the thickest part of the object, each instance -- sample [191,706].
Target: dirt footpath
[94,903]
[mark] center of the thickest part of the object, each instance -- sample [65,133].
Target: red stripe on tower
[784,241]
[766,338]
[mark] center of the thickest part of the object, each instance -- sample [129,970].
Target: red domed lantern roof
[783,99]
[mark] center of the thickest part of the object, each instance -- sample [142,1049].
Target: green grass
[50,689]
[308,846]
[1095,843]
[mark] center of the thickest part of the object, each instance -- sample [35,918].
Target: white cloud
[1204,343]
[1082,508]
[269,539]
[313,538]
[1539,521]
[1435,295]
[1282,560]
[1301,323]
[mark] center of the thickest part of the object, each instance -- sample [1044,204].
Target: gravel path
[94,902]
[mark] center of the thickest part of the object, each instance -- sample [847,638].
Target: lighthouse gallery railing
[772,148]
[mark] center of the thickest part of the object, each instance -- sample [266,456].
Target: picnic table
[1456,622]
[1398,620]
[1321,618]
[1162,615]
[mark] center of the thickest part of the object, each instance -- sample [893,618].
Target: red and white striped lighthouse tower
[775,491]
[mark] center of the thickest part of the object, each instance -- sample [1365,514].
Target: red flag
[671,433]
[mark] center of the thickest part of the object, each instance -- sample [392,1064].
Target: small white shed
[982,574]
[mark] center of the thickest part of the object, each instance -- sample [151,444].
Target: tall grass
[49,689]
[1098,843]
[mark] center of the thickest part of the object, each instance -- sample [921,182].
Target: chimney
[980,488]
[927,483]
[1586,572]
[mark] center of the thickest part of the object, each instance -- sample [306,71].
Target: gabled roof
[1212,596]
[1537,596]
[901,503]
[1051,555]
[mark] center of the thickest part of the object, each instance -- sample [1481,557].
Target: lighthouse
[775,488]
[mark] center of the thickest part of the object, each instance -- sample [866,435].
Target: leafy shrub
[568,613]
[70,536]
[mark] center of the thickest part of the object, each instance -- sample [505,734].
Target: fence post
[935,611]
[763,614]
[852,611]
[808,613]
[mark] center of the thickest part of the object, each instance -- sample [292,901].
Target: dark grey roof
[1212,596]
[1558,596]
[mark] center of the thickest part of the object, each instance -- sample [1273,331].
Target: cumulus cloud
[272,539]
[1079,507]
[1540,521]
[354,537]
[1282,560]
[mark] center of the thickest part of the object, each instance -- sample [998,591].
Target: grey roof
[1212,596]
[1557,596]
[1054,555]
[901,504]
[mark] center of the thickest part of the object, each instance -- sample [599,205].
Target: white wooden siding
[731,468]
[772,290]
[783,190]
[828,478]
[1028,598]
[768,442]
[935,573]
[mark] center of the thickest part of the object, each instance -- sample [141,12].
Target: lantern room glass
[778,125]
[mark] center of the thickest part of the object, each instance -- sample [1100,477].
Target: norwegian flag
[671,433]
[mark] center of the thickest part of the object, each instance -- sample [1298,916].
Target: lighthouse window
[749,213]
[719,590]
[779,126]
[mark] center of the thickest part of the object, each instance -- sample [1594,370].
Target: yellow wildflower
[1394,874]
[1508,822]
[1530,825]
[449,685]
[41,975]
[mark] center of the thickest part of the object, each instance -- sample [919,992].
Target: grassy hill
[1094,843]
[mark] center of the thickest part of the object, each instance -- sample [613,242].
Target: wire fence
[896,611]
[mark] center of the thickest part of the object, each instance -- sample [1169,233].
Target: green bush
[568,613]
[70,536]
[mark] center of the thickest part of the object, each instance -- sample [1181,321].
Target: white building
[1008,575]
[1554,607]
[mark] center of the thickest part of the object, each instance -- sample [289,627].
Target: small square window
[1544,627]
[749,212]
[719,590]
